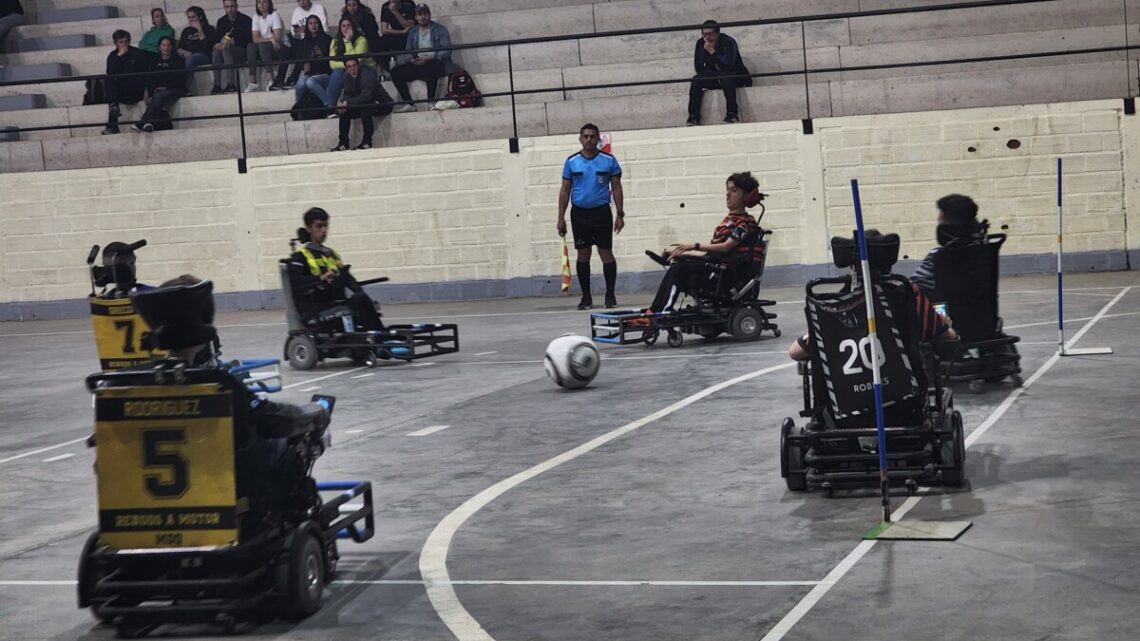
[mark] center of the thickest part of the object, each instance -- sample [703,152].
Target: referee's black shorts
[592,226]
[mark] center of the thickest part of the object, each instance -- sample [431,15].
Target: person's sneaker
[216,91]
[136,127]
[731,119]
[403,108]
[332,115]
[275,86]
[692,122]
[289,84]
[611,302]
[340,148]
[586,303]
[149,128]
[107,131]
[230,89]
[364,145]
[252,87]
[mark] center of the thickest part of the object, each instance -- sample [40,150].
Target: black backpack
[309,107]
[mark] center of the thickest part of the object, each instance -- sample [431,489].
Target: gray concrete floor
[693,497]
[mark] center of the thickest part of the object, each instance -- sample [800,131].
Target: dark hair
[198,11]
[958,209]
[159,9]
[589,125]
[181,281]
[268,11]
[120,34]
[173,46]
[320,25]
[314,214]
[744,181]
[356,33]
[710,24]
[363,9]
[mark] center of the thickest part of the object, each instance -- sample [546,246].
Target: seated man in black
[319,278]
[957,218]
[735,238]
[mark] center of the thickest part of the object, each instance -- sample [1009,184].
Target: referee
[587,178]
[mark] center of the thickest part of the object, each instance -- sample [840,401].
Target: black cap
[180,316]
[422,8]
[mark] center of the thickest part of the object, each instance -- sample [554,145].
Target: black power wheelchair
[728,302]
[333,331]
[117,326]
[966,284]
[207,514]
[838,446]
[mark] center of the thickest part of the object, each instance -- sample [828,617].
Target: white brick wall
[461,211]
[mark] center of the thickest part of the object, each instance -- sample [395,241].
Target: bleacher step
[9,134]
[43,71]
[53,43]
[77,14]
[22,102]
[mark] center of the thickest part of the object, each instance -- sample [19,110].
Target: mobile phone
[325,401]
[942,309]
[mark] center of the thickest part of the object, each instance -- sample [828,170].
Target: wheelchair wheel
[649,336]
[791,458]
[363,358]
[675,338]
[302,352]
[745,324]
[954,453]
[89,575]
[306,574]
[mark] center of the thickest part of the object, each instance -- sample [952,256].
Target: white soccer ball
[572,361]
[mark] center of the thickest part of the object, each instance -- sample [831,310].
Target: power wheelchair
[206,512]
[727,302]
[966,284]
[837,447]
[118,328]
[333,331]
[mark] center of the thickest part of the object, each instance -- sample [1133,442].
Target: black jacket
[365,90]
[317,47]
[191,41]
[167,74]
[134,60]
[10,7]
[241,29]
[726,60]
[366,26]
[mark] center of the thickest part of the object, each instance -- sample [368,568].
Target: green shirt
[150,39]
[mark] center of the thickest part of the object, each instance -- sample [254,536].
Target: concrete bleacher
[562,66]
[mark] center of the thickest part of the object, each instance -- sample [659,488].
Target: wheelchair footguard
[304,349]
[744,322]
[988,361]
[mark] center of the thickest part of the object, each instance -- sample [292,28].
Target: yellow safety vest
[319,263]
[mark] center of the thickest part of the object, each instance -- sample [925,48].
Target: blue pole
[872,337]
[1060,271]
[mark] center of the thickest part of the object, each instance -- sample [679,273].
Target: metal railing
[241,114]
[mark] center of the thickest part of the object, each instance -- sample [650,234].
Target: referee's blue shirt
[590,178]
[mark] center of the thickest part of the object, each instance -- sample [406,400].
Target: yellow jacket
[360,45]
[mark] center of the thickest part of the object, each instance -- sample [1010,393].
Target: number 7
[128,327]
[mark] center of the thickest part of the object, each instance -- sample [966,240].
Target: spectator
[363,98]
[715,57]
[428,66]
[364,20]
[269,44]
[235,31]
[11,16]
[160,30]
[299,22]
[346,43]
[315,44]
[197,40]
[165,85]
[396,20]
[124,59]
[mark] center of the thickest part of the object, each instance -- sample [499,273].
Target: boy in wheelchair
[319,281]
[838,445]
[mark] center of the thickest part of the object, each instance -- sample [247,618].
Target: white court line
[433,556]
[726,584]
[309,389]
[422,364]
[817,593]
[487,353]
[42,450]
[363,375]
[353,431]
[1069,320]
[429,430]
[633,358]
[59,458]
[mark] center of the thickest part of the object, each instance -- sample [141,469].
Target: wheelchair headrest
[118,265]
[883,251]
[180,316]
[969,232]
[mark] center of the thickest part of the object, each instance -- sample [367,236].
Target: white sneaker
[403,108]
[251,87]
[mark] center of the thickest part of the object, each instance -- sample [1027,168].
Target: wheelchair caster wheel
[911,487]
[776,332]
[976,386]
[1016,380]
[649,337]
[829,490]
[301,351]
[675,338]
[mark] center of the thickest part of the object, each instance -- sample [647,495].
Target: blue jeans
[315,85]
[197,60]
[336,85]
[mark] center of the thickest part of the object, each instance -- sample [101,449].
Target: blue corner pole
[872,337]
[1060,271]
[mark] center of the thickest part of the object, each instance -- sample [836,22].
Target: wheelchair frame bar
[344,525]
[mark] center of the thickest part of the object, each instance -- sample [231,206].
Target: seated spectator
[197,40]
[364,20]
[960,215]
[299,22]
[715,57]
[396,19]
[348,41]
[125,59]
[235,34]
[165,85]
[363,98]
[269,44]
[161,29]
[428,66]
[315,44]
[11,16]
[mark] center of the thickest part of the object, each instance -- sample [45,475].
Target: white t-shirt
[300,15]
[426,42]
[267,24]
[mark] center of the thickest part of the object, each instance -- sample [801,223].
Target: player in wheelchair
[208,511]
[838,445]
[331,316]
[117,327]
[721,278]
[961,276]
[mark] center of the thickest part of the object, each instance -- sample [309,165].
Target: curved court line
[433,556]
[784,625]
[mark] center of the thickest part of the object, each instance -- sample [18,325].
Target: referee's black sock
[609,270]
[584,278]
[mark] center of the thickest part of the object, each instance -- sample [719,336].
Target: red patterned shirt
[743,229]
